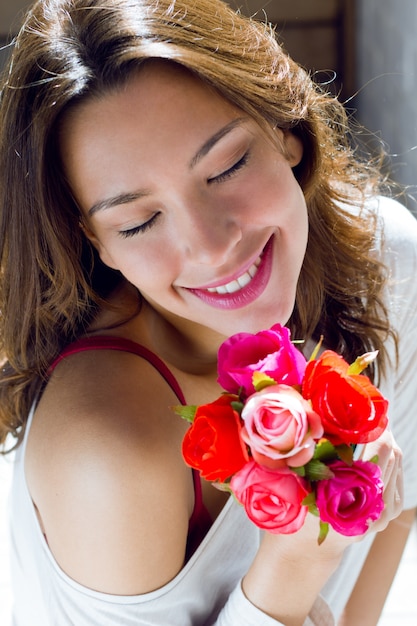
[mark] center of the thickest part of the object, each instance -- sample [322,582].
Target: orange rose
[351,408]
[212,445]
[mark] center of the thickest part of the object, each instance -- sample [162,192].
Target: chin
[255,323]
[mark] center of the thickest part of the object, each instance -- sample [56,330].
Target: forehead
[161,115]
[156,86]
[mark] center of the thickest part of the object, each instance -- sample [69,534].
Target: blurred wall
[386,77]
[11,15]
[316,33]
[371,44]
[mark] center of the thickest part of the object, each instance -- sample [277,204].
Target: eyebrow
[126,198]
[210,143]
[121,198]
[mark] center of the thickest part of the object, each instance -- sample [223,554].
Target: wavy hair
[51,281]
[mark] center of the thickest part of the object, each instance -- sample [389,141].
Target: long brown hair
[51,281]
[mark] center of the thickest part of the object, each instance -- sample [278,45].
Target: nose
[209,234]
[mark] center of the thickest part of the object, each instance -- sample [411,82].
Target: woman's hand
[382,562]
[291,563]
[390,461]
[303,544]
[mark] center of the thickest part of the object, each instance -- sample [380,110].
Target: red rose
[212,445]
[351,408]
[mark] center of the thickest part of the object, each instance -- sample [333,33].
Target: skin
[213,201]
[215,224]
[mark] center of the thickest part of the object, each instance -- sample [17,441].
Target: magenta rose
[272,498]
[352,498]
[280,427]
[269,351]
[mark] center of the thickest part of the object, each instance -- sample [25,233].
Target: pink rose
[280,427]
[353,498]
[272,498]
[269,351]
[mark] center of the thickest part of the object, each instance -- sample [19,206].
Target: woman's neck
[188,347]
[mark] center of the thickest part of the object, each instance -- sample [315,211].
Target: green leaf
[374,459]
[310,502]
[300,471]
[261,380]
[224,486]
[317,470]
[362,362]
[237,406]
[316,349]
[187,412]
[345,453]
[325,451]
[324,529]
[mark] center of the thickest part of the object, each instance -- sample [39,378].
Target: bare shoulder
[105,471]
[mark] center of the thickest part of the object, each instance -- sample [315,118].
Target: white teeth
[233,286]
[239,283]
[220,289]
[244,280]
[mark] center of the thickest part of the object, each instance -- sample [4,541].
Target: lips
[239,283]
[243,290]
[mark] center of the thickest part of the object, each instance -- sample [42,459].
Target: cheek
[283,192]
[107,257]
[296,223]
[149,269]
[271,194]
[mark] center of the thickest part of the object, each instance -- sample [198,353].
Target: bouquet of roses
[282,436]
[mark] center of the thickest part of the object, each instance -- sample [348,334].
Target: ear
[293,148]
[94,240]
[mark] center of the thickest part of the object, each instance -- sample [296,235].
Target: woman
[170,177]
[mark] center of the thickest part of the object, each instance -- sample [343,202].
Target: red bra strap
[200,520]
[107,342]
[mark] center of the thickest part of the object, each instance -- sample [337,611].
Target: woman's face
[185,195]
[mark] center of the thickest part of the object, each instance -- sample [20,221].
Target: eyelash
[142,228]
[231,171]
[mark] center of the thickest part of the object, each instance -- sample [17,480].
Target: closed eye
[142,228]
[231,171]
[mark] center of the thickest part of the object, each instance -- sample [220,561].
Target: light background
[372,46]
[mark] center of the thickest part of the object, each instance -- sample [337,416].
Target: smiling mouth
[238,283]
[244,289]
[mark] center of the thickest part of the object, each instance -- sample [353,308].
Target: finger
[386,451]
[394,490]
[393,496]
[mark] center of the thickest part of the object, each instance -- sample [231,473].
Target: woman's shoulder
[395,235]
[397,242]
[394,219]
[395,226]
[104,468]
[107,376]
[398,222]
